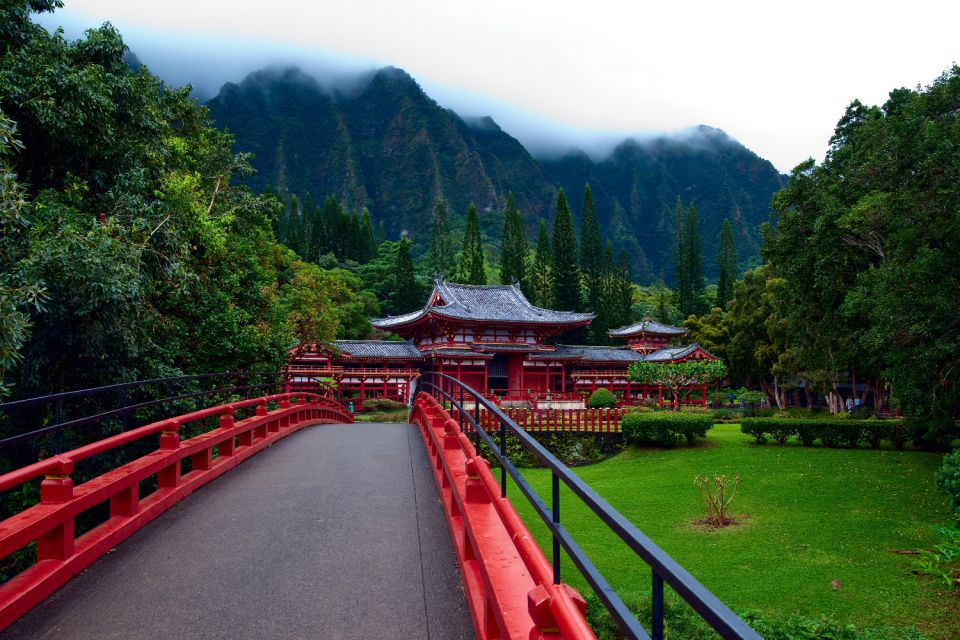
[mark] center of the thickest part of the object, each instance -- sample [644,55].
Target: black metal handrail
[664,568]
[240,382]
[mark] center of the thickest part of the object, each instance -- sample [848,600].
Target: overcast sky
[775,75]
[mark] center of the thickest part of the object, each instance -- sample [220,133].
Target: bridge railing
[176,468]
[664,570]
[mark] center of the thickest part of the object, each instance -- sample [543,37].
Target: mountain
[386,145]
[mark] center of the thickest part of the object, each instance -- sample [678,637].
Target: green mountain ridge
[386,145]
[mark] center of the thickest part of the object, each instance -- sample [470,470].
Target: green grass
[400,415]
[811,516]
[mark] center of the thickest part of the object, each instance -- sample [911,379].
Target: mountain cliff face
[388,146]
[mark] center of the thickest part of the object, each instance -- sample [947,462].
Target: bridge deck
[334,532]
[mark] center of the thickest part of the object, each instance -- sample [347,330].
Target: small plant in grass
[602,399]
[943,562]
[948,481]
[717,493]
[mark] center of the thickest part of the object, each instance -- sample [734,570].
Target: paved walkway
[335,532]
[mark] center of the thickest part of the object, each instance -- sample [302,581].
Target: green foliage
[664,428]
[689,263]
[441,245]
[943,562]
[383,404]
[566,270]
[472,268]
[831,432]
[593,267]
[541,275]
[676,376]
[602,398]
[727,265]
[948,481]
[514,248]
[407,293]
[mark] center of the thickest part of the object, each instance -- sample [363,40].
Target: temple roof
[675,353]
[380,349]
[483,303]
[647,325]
[590,353]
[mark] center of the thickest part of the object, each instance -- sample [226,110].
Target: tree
[621,292]
[727,264]
[689,267]
[677,376]
[441,246]
[406,291]
[592,265]
[514,249]
[473,268]
[541,274]
[566,268]
[566,271]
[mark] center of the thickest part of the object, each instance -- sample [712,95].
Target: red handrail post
[57,488]
[169,476]
[226,448]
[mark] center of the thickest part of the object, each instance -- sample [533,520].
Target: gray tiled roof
[492,346]
[456,353]
[672,353]
[590,353]
[495,303]
[383,349]
[648,326]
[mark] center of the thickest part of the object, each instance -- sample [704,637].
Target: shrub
[383,404]
[664,428]
[830,432]
[948,481]
[602,399]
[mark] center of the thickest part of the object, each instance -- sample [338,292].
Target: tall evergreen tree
[682,267]
[592,257]
[622,292]
[367,242]
[473,262]
[541,275]
[605,303]
[514,249]
[566,267]
[694,263]
[727,262]
[441,246]
[406,292]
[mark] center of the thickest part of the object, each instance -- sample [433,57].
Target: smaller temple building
[493,339]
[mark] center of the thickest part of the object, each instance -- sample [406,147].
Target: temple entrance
[497,374]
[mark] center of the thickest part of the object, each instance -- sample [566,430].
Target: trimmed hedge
[830,432]
[664,428]
[601,399]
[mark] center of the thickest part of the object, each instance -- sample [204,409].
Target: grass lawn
[811,516]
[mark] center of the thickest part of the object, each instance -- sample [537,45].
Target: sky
[776,76]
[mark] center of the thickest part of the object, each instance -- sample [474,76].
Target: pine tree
[514,249]
[473,262]
[566,267]
[682,284]
[541,274]
[592,255]
[406,292]
[691,235]
[605,301]
[381,233]
[566,271]
[622,292]
[727,262]
[367,242]
[441,246]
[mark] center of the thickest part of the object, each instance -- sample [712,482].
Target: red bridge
[338,531]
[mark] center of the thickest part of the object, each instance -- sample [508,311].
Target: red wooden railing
[571,420]
[61,555]
[507,579]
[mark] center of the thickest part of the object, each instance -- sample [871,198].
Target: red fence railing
[60,554]
[568,420]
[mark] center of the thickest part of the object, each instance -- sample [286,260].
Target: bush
[664,428]
[831,432]
[602,399]
[382,404]
[948,481]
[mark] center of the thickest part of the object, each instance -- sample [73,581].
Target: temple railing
[552,600]
[128,479]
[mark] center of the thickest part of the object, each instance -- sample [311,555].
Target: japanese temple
[493,339]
